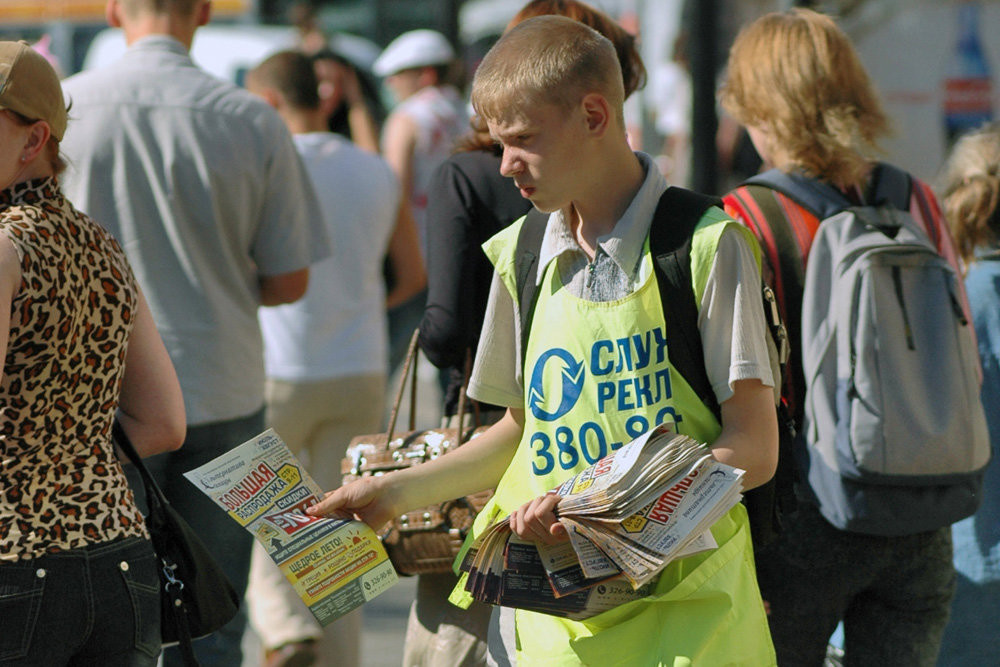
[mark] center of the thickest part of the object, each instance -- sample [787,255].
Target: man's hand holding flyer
[627,517]
[335,565]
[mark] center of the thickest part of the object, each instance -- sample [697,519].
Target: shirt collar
[159,42]
[624,243]
[30,192]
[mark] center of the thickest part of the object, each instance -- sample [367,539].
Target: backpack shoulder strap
[677,214]
[527,250]
[820,198]
[670,236]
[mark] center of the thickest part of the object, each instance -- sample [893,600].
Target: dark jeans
[227,541]
[972,638]
[892,593]
[98,605]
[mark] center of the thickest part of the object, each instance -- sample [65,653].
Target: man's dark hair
[291,73]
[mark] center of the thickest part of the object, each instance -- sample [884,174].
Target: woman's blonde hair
[796,76]
[969,188]
[547,60]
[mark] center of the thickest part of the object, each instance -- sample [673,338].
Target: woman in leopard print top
[78,345]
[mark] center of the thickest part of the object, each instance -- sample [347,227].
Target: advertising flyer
[335,565]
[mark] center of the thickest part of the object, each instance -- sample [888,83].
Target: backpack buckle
[778,331]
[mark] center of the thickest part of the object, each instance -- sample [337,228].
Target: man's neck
[610,190]
[180,28]
[303,121]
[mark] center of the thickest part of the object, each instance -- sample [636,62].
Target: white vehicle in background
[228,51]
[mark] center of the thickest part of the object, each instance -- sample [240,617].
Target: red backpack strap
[785,230]
[928,211]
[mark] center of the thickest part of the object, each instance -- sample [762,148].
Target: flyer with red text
[335,565]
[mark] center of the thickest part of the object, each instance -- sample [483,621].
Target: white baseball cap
[417,48]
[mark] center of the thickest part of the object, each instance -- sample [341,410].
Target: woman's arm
[405,259]
[444,329]
[10,282]
[151,407]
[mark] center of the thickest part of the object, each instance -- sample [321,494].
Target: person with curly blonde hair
[797,83]
[970,194]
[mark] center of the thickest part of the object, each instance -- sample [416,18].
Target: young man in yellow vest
[596,372]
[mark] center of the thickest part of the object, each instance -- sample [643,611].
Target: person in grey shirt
[202,185]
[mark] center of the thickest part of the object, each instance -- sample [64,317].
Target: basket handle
[463,399]
[408,364]
[410,371]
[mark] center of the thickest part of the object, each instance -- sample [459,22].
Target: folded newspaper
[627,517]
[335,565]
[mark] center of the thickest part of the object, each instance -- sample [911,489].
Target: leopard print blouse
[61,486]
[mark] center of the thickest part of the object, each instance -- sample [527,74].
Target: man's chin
[545,207]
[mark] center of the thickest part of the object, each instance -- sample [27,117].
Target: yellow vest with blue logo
[597,375]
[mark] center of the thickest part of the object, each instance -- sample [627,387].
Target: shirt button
[40,573]
[124,566]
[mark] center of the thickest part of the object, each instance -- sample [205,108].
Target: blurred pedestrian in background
[970,194]
[348,99]
[796,82]
[419,134]
[325,354]
[79,580]
[202,184]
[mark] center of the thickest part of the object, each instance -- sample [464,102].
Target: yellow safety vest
[597,374]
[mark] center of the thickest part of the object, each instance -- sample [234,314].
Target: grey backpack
[896,438]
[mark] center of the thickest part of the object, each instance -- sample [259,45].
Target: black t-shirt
[469,201]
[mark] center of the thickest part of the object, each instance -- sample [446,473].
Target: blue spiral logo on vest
[572,383]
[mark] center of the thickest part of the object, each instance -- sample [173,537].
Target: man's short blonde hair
[547,60]
[135,8]
[797,76]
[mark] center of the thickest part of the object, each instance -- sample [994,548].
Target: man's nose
[510,163]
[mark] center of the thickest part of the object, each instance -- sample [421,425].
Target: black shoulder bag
[197,597]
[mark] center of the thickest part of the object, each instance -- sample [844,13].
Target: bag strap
[819,197]
[409,372]
[463,401]
[677,214]
[409,366]
[156,503]
[670,237]
[527,251]
[154,495]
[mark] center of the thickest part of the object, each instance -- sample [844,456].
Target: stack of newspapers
[628,515]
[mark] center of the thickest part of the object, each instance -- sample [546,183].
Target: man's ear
[111,13]
[205,13]
[271,96]
[596,113]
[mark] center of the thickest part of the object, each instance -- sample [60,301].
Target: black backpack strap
[527,250]
[677,214]
[670,236]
